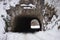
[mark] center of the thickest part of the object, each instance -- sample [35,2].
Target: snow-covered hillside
[52,34]
[56,4]
[47,35]
[5,5]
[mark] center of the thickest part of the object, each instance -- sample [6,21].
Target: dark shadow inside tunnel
[23,23]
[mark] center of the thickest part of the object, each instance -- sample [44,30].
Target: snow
[2,23]
[2,36]
[55,21]
[2,11]
[14,2]
[2,26]
[28,6]
[55,3]
[15,36]
[53,34]
[47,35]
[3,8]
[35,27]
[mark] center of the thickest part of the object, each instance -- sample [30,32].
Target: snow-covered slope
[5,5]
[48,35]
[2,26]
[55,3]
[52,34]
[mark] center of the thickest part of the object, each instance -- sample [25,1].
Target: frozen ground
[53,34]
[47,35]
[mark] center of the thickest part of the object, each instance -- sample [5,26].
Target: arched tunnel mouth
[22,24]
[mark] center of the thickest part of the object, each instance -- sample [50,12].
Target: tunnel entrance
[23,24]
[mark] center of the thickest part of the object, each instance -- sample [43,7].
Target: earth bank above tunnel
[33,10]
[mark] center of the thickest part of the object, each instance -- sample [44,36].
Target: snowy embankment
[5,5]
[47,35]
[53,34]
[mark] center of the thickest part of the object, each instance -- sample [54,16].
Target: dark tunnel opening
[23,23]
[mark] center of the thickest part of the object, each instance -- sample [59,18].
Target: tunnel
[22,24]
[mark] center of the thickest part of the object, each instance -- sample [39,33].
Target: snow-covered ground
[5,5]
[52,34]
[55,3]
[47,35]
